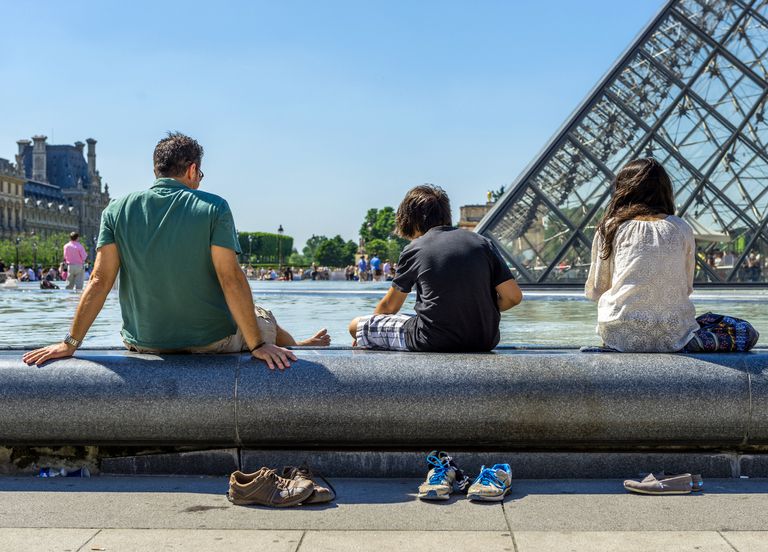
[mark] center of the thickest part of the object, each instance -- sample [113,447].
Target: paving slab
[747,541]
[582,505]
[378,505]
[627,541]
[405,541]
[200,503]
[44,540]
[184,540]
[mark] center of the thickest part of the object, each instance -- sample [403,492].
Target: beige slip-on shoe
[665,485]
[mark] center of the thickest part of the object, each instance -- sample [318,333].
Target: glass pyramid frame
[691,91]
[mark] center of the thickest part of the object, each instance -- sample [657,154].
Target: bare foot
[320,339]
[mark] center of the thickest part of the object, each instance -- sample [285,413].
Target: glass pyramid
[692,92]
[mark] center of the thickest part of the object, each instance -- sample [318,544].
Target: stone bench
[336,399]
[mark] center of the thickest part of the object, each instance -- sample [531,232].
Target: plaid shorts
[382,331]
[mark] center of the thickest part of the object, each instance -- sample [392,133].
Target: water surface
[30,316]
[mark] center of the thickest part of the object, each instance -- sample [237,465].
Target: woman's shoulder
[637,229]
[680,223]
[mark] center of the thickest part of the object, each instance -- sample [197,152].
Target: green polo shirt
[170,297]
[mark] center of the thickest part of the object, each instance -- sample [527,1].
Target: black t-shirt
[455,272]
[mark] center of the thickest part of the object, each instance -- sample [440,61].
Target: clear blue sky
[310,112]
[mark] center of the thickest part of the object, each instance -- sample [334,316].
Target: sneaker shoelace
[280,482]
[440,469]
[304,471]
[488,477]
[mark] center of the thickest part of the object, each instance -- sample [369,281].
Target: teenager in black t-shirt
[461,284]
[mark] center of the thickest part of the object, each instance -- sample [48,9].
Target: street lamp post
[18,241]
[279,245]
[250,248]
[34,257]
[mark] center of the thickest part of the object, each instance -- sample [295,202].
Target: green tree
[377,247]
[394,250]
[379,226]
[297,259]
[310,249]
[265,246]
[335,252]
[350,250]
[46,251]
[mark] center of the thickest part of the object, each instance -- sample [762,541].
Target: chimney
[39,171]
[20,170]
[91,156]
[79,145]
[22,145]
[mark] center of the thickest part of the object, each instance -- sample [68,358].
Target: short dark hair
[175,153]
[424,207]
[73,236]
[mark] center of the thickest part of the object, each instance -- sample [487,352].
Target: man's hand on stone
[39,356]
[274,356]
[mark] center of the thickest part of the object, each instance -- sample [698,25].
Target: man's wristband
[258,346]
[69,340]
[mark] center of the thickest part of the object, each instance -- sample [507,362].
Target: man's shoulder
[117,202]
[141,196]
[466,238]
[208,197]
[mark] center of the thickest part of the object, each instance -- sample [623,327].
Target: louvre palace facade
[50,189]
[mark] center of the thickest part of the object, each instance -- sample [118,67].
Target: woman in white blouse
[641,275]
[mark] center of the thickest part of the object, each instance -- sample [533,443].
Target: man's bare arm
[102,279]
[237,293]
[391,303]
[509,295]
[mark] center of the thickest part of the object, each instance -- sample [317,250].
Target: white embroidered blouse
[643,289]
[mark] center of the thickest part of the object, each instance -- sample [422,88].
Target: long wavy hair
[641,188]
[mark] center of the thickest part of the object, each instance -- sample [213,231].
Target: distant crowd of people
[288,273]
[73,269]
[723,261]
[373,270]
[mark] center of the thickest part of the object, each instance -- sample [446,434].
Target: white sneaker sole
[485,498]
[433,495]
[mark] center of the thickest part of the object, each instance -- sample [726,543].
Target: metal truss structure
[692,92]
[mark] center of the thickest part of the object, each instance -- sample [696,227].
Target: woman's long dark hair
[641,188]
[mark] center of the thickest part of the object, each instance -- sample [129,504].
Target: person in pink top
[74,256]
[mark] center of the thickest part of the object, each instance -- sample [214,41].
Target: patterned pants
[382,331]
[721,334]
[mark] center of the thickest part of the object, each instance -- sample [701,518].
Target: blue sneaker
[492,484]
[443,476]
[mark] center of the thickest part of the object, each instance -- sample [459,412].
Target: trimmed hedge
[264,246]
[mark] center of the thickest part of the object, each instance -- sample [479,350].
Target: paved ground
[166,513]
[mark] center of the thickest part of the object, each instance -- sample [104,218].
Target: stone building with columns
[11,200]
[61,190]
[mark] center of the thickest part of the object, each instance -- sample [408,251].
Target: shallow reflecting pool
[32,316]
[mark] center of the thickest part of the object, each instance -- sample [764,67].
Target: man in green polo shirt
[152,236]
